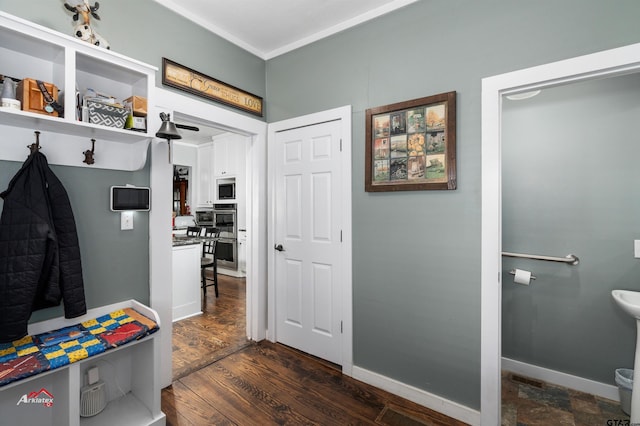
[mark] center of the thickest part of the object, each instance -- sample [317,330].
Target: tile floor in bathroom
[527,402]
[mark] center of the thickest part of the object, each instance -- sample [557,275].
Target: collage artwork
[409,146]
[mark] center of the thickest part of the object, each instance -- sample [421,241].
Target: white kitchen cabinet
[228,155]
[28,50]
[205,191]
[130,372]
[224,158]
[187,299]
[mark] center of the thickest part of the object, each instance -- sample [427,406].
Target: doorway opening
[615,62]
[559,204]
[184,109]
[213,155]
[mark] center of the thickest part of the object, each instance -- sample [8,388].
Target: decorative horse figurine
[83,30]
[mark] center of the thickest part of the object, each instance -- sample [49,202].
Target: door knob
[279,247]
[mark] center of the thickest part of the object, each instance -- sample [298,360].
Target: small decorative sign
[183,78]
[411,145]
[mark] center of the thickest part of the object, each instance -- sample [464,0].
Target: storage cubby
[55,383]
[24,56]
[130,372]
[104,75]
[126,374]
[28,50]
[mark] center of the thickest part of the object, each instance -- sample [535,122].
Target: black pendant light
[168,130]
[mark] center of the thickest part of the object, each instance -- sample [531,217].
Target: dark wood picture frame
[411,145]
[194,82]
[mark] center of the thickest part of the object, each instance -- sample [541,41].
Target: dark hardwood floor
[201,340]
[222,379]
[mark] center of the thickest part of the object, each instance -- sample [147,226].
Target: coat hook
[35,147]
[88,155]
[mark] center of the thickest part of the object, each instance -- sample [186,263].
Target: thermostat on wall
[131,198]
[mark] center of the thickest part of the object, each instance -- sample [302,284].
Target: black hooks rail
[35,147]
[88,154]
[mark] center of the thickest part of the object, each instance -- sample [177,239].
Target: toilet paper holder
[513,272]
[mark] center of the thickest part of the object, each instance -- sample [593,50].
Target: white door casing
[310,281]
[608,63]
[160,217]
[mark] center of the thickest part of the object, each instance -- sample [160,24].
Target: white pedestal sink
[629,301]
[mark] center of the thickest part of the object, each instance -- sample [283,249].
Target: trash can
[624,380]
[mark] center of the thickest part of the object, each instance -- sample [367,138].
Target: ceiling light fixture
[168,130]
[523,95]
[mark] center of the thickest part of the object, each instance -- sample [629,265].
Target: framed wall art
[197,83]
[411,145]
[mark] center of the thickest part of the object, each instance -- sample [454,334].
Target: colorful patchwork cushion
[68,345]
[47,351]
[24,366]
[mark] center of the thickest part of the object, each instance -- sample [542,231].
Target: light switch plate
[126,221]
[636,249]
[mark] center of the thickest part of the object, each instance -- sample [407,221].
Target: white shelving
[131,374]
[28,50]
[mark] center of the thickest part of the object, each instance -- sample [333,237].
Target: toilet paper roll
[522,277]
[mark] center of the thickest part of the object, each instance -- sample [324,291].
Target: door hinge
[341,235]
[340,145]
[340,327]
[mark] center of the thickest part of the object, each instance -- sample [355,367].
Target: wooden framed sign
[411,145]
[188,80]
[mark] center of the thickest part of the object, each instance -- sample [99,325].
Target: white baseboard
[562,379]
[178,316]
[419,396]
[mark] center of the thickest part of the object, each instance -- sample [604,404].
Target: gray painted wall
[416,265]
[115,263]
[570,185]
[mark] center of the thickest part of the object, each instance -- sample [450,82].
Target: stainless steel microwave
[227,189]
[204,217]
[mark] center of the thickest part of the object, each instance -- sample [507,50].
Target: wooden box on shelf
[137,104]
[32,98]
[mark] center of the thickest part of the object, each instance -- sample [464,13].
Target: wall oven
[224,218]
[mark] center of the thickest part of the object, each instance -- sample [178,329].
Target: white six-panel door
[307,212]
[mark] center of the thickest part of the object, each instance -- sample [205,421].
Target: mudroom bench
[110,354]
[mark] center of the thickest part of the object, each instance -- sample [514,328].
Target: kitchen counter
[177,242]
[184,240]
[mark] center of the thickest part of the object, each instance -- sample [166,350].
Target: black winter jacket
[39,250]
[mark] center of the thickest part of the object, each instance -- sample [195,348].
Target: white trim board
[419,396]
[558,378]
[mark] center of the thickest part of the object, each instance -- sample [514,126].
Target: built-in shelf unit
[130,372]
[28,50]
